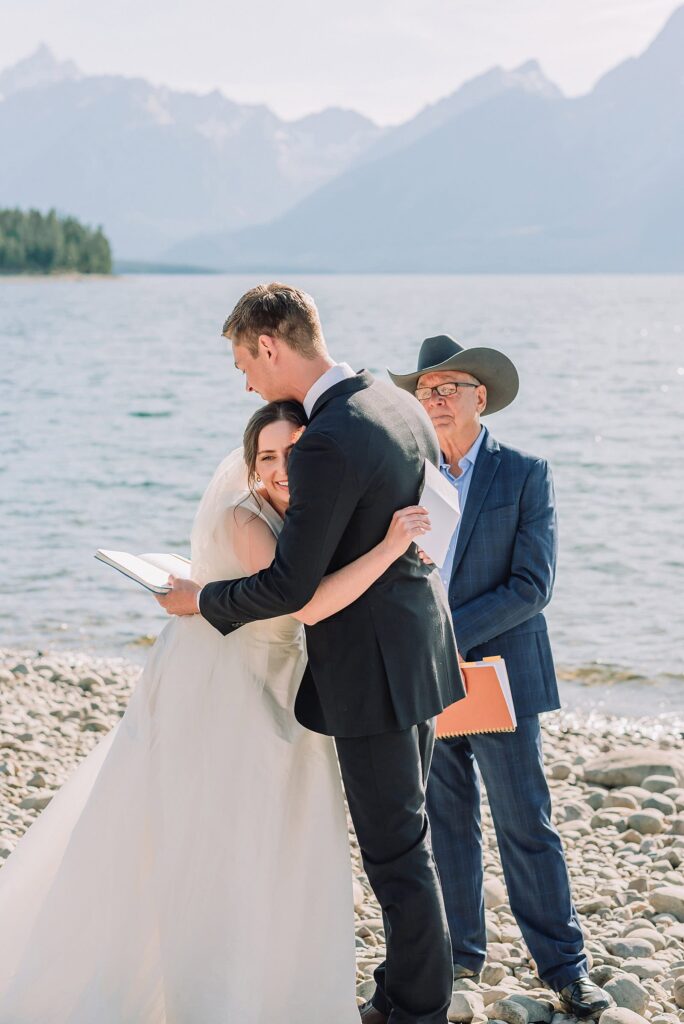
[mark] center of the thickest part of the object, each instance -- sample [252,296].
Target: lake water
[118,398]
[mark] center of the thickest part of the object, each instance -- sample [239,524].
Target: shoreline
[624,841]
[595,688]
[56,275]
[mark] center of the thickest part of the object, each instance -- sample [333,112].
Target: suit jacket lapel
[484,470]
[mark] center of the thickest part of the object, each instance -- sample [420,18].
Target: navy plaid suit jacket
[503,571]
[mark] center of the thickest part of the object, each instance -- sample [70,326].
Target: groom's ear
[268,346]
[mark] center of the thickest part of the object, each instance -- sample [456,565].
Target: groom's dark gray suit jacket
[388,661]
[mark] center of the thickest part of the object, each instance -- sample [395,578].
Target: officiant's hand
[181,599]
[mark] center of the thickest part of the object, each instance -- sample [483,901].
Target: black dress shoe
[461,972]
[584,999]
[369,1015]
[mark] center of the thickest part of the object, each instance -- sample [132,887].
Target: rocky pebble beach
[618,792]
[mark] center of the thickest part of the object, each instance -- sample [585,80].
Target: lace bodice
[212,544]
[211,541]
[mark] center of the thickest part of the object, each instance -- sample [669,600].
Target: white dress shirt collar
[336,373]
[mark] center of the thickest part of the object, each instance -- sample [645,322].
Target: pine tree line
[31,242]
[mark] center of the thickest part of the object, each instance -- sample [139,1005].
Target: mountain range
[154,165]
[505,175]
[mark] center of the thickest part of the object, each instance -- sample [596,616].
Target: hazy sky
[386,58]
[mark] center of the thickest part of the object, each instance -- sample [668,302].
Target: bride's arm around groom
[255,548]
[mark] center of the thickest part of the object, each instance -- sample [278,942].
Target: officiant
[499,575]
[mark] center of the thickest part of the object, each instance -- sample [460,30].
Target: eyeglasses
[443,390]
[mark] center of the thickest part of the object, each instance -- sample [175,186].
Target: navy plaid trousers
[511,767]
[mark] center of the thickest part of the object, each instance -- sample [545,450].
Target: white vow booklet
[440,498]
[151,571]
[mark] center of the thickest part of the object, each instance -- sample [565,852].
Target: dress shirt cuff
[198,600]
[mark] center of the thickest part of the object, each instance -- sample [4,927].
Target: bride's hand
[407,525]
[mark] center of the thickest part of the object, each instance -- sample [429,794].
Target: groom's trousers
[385,778]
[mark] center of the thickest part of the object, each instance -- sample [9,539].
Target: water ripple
[119,398]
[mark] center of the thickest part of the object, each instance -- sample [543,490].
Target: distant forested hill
[36,243]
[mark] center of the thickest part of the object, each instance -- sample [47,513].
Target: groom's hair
[279,310]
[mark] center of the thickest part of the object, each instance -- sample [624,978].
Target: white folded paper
[440,498]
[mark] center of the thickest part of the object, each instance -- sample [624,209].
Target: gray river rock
[627,874]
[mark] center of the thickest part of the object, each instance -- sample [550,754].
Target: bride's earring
[258,479]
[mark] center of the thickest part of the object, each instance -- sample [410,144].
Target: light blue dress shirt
[462,485]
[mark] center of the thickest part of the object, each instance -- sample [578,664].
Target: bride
[195,869]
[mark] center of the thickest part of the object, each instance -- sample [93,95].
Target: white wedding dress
[195,869]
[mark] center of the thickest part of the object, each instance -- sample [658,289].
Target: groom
[382,668]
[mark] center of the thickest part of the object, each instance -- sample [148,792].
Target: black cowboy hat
[490,367]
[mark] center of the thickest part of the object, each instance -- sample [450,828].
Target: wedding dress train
[195,868]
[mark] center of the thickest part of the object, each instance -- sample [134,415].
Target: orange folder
[487,706]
